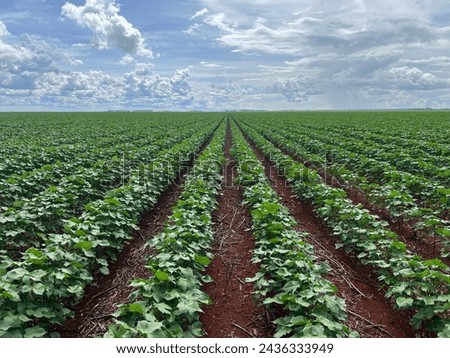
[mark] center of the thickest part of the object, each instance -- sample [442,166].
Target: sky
[94,55]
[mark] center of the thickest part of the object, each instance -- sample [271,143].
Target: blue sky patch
[223,55]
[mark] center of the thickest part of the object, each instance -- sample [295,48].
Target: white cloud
[228,96]
[192,29]
[73,87]
[3,31]
[148,87]
[32,74]
[337,54]
[218,20]
[434,60]
[75,62]
[11,55]
[199,13]
[296,89]
[414,77]
[211,65]
[127,59]
[108,27]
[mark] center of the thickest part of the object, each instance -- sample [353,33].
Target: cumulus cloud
[75,87]
[153,88]
[23,62]
[75,62]
[109,29]
[413,77]
[228,96]
[191,29]
[32,73]
[296,89]
[10,54]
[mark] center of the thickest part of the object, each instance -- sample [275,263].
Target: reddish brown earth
[233,312]
[370,313]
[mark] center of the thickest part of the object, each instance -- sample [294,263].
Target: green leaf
[35,332]
[137,308]
[404,302]
[112,201]
[202,260]
[76,289]
[190,307]
[162,276]
[163,308]
[38,289]
[104,270]
[15,333]
[85,245]
[148,328]
[35,252]
[436,262]
[80,233]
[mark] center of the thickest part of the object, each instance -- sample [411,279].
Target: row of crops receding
[75,187]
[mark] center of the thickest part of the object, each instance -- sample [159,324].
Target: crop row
[75,159]
[37,289]
[27,223]
[391,195]
[289,277]
[413,284]
[411,155]
[168,302]
[22,186]
[341,152]
[32,143]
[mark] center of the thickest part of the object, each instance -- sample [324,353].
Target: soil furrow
[233,312]
[370,313]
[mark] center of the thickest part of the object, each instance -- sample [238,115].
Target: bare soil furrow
[233,312]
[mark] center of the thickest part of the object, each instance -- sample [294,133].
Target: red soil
[233,312]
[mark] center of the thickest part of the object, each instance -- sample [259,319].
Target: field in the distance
[242,224]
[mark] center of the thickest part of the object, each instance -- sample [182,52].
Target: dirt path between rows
[370,313]
[233,312]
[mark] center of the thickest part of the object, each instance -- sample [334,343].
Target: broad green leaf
[163,308]
[35,332]
[137,308]
[189,307]
[38,288]
[85,245]
[148,328]
[202,260]
[80,233]
[404,302]
[162,276]
[104,270]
